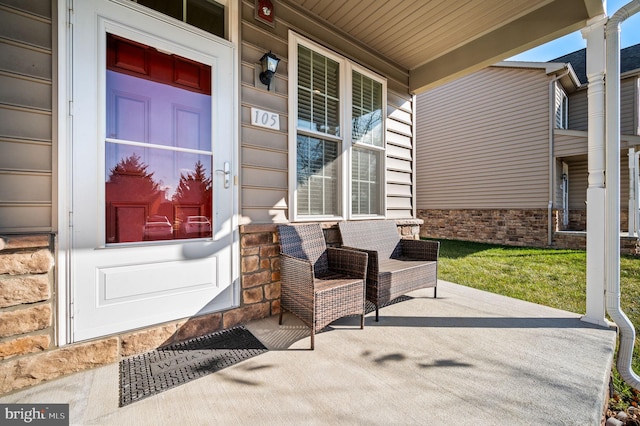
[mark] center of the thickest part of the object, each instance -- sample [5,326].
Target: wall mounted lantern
[269,63]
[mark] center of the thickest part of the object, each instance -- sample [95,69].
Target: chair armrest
[348,262]
[420,249]
[373,268]
[296,275]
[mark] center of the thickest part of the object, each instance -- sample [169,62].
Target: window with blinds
[332,163]
[366,134]
[318,113]
[365,182]
[317,176]
[318,93]
[366,115]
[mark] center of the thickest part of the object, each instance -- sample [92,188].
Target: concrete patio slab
[467,358]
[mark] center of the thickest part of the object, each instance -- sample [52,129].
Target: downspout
[612,196]
[636,200]
[552,126]
[631,223]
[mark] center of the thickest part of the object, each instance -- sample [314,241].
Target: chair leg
[280,319]
[376,313]
[313,335]
[361,322]
[435,292]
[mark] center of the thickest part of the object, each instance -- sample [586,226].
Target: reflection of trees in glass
[315,157]
[133,180]
[133,196]
[366,110]
[316,175]
[193,200]
[366,128]
[194,187]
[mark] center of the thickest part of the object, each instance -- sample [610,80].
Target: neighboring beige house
[145,158]
[502,152]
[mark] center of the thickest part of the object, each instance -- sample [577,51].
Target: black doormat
[156,371]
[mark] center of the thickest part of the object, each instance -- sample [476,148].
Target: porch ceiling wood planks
[438,40]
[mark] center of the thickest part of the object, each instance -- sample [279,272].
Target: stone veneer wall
[527,228]
[577,240]
[28,352]
[578,220]
[27,309]
[509,227]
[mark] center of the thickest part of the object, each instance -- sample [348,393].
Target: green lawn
[555,278]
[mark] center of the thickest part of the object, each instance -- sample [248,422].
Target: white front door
[154,235]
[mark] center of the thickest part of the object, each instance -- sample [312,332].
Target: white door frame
[63,216]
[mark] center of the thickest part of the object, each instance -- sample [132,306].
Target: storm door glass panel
[317,175]
[158,148]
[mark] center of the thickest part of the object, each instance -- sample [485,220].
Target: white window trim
[344,172]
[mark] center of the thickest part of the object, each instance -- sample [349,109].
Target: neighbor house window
[562,109]
[338,168]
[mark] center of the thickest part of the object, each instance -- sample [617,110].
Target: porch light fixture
[269,63]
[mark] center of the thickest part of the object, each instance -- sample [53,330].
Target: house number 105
[267,119]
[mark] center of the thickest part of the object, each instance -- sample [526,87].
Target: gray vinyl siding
[578,116]
[624,180]
[400,153]
[578,183]
[26,120]
[569,143]
[629,106]
[264,152]
[482,141]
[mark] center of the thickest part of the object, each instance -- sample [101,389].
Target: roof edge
[548,67]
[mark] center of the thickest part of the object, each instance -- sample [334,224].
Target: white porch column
[594,34]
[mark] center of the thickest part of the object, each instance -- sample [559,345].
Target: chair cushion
[397,277]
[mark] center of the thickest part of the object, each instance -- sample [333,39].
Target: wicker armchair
[396,266]
[319,284]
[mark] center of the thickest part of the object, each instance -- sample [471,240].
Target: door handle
[227,174]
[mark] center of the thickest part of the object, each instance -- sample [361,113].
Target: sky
[629,35]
